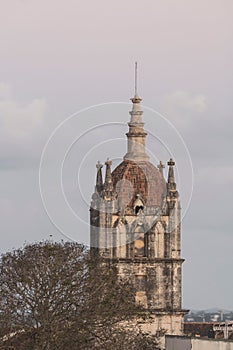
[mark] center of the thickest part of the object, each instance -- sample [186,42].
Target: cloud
[5,91]
[213,175]
[20,120]
[184,108]
[187,101]
[22,128]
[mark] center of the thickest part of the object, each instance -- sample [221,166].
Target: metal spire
[136,136]
[136,98]
[136,79]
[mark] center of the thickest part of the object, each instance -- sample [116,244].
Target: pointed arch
[120,238]
[140,239]
[157,240]
[139,205]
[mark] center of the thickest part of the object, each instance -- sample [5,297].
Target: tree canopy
[58,296]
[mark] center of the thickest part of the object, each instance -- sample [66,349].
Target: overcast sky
[58,57]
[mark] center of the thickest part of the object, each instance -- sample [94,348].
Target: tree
[57,296]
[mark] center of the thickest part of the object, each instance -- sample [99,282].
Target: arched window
[138,205]
[139,242]
[137,208]
[120,238]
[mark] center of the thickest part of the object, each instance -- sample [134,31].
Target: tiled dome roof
[139,178]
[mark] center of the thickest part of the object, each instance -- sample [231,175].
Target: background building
[188,343]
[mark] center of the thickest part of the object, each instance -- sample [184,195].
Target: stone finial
[108,176]
[171,177]
[108,162]
[99,177]
[108,192]
[99,165]
[161,166]
[171,162]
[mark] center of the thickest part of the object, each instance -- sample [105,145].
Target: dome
[139,179]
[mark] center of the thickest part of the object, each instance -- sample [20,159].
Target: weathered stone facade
[135,224]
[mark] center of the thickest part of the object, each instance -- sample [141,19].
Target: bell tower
[135,225]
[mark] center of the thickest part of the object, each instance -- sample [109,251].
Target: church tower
[135,224]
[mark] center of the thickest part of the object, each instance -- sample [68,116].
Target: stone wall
[188,343]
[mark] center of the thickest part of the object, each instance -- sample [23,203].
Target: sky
[60,57]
